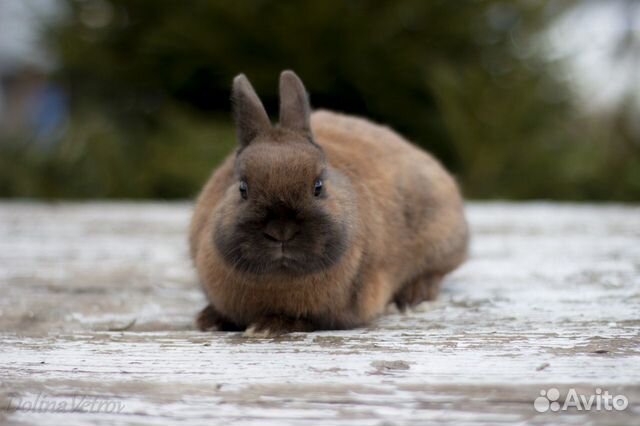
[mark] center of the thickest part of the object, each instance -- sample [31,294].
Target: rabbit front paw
[276,325]
[209,319]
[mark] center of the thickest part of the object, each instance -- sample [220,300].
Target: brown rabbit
[320,222]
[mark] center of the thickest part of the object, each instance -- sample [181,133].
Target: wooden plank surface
[98,300]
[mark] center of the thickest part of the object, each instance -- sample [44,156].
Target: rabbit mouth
[285,260]
[281,261]
[288,263]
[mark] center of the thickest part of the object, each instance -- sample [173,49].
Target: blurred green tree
[149,83]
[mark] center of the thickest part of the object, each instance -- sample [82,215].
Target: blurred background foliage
[148,94]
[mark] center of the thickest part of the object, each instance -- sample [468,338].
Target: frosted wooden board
[98,301]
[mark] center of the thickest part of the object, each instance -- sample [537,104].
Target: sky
[20,21]
[588,40]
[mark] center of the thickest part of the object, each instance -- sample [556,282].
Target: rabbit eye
[317,188]
[244,188]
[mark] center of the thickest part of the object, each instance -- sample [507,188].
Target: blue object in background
[48,113]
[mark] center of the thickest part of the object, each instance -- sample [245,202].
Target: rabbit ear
[294,103]
[250,116]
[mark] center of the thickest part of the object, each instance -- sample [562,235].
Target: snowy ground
[97,302]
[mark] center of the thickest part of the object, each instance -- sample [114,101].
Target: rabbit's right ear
[294,103]
[249,114]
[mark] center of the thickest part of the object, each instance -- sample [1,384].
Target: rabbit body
[386,225]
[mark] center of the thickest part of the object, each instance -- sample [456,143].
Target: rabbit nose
[280,231]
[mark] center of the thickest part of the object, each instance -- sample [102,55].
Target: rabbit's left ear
[249,113]
[294,103]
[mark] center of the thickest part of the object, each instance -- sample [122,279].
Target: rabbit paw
[211,320]
[272,326]
[425,288]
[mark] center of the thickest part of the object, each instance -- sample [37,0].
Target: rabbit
[320,222]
